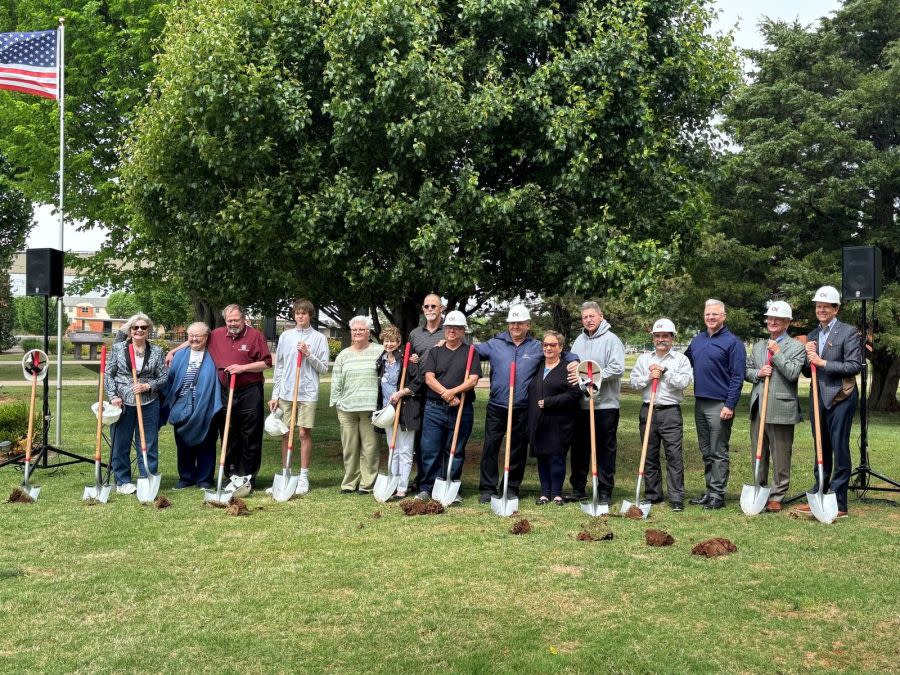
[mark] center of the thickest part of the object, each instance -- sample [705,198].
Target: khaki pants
[778,441]
[360,445]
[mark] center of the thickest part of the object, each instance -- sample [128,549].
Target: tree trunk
[207,313]
[885,376]
[406,316]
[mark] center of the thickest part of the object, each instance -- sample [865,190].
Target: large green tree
[365,152]
[818,168]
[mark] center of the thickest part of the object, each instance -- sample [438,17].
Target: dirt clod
[162,502]
[238,508]
[658,538]
[19,496]
[714,547]
[634,513]
[417,507]
[521,526]
[596,529]
[376,515]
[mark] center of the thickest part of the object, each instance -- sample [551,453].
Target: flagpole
[60,46]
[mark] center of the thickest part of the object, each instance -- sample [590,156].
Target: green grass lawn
[323,584]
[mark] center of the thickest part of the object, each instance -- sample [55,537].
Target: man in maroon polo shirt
[240,349]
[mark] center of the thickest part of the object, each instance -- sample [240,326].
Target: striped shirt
[354,381]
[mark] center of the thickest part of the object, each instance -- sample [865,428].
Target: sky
[745,14]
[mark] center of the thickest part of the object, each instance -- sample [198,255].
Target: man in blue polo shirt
[719,360]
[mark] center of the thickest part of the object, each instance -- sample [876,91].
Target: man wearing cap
[780,358]
[446,379]
[514,345]
[720,361]
[674,373]
[834,348]
[597,343]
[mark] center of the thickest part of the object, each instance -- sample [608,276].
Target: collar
[827,328]
[239,335]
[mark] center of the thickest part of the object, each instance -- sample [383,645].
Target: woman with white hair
[122,392]
[354,392]
[192,401]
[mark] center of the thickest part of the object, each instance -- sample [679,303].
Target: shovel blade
[595,509]
[445,491]
[34,490]
[148,488]
[284,485]
[385,487]
[504,506]
[223,497]
[754,499]
[823,506]
[643,506]
[97,493]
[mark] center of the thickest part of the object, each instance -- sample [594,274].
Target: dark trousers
[836,463]
[494,449]
[438,423]
[666,429]
[552,473]
[606,424]
[196,464]
[713,436]
[244,453]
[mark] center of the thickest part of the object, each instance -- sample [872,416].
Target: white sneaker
[269,490]
[126,489]
[302,485]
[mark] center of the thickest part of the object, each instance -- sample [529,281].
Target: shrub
[334,348]
[29,343]
[13,420]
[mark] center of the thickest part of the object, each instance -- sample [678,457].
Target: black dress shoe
[656,501]
[699,501]
[677,507]
[484,498]
[576,496]
[714,503]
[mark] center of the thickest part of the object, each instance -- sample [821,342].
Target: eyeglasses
[196,337]
[547,345]
[144,328]
[430,306]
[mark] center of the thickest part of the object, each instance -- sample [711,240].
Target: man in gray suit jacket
[834,348]
[783,406]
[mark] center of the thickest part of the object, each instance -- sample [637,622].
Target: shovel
[823,506]
[284,485]
[98,491]
[219,496]
[31,490]
[445,490]
[503,506]
[754,497]
[386,486]
[643,506]
[594,507]
[147,487]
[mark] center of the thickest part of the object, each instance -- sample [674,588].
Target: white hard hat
[664,326]
[518,313]
[827,294]
[456,318]
[274,426]
[383,418]
[779,309]
[240,486]
[111,413]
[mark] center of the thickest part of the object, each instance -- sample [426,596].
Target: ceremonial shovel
[98,491]
[445,490]
[503,506]
[386,485]
[220,496]
[593,507]
[823,506]
[284,485]
[147,487]
[36,373]
[754,497]
[643,506]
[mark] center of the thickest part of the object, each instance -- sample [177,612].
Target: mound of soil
[162,502]
[238,508]
[714,547]
[658,538]
[521,526]
[634,513]
[376,515]
[596,529]
[417,507]
[19,496]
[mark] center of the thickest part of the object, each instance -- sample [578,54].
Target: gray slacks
[666,429]
[713,435]
[778,441]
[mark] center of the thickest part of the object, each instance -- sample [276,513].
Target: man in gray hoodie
[597,343]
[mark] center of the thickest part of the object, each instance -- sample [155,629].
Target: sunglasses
[430,306]
[140,327]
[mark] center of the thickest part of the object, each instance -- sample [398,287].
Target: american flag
[28,63]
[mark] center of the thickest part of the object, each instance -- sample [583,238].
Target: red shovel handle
[472,356]
[655,386]
[299,358]
[406,354]
[36,361]
[103,357]
[512,371]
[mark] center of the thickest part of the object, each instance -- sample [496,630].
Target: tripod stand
[864,472]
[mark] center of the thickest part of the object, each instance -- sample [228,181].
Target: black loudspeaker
[861,273]
[269,328]
[44,272]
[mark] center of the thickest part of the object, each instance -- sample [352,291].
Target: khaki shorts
[306,413]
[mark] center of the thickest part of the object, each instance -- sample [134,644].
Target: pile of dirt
[658,538]
[596,529]
[714,547]
[634,513]
[417,507]
[376,515]
[521,526]
[238,507]
[19,496]
[162,502]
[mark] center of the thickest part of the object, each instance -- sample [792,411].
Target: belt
[662,407]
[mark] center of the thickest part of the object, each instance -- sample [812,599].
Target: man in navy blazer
[834,348]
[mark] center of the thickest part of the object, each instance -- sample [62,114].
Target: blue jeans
[552,473]
[125,431]
[438,422]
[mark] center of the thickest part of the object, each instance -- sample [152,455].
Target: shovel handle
[653,389]
[509,414]
[100,404]
[227,425]
[400,402]
[137,400]
[290,444]
[459,411]
[762,411]
[36,362]
[592,423]
[815,395]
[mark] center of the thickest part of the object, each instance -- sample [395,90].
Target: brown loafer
[842,514]
[773,506]
[803,508]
